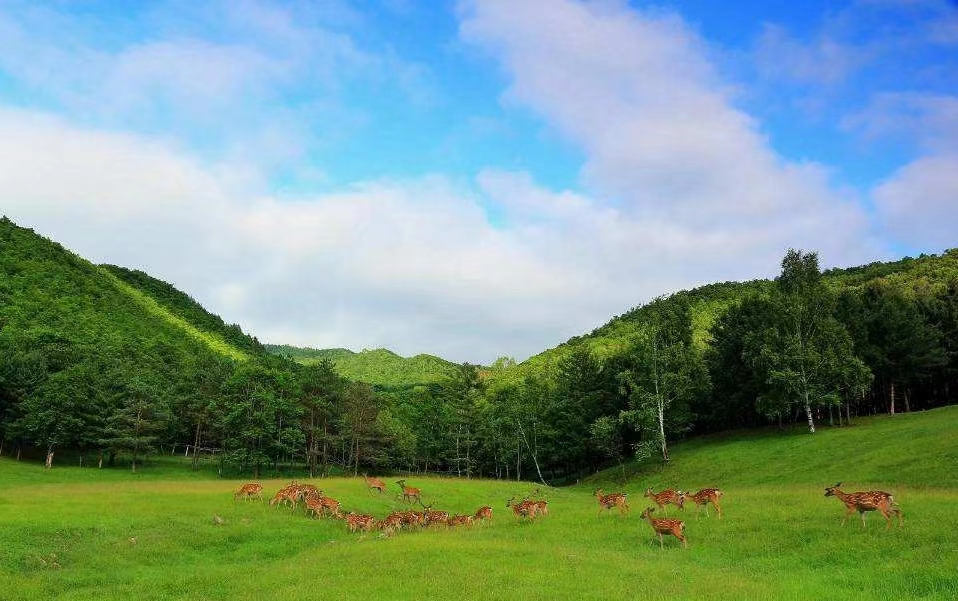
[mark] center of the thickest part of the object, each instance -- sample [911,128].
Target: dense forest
[104,365]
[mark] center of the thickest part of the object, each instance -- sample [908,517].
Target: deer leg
[661,545]
[850,511]
[862,513]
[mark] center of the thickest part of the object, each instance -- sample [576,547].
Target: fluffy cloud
[412,265]
[660,132]
[919,203]
[678,188]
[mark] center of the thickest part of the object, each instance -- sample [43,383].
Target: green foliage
[185,308]
[78,343]
[382,368]
[805,354]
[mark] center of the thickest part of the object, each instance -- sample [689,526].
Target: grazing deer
[409,494]
[289,494]
[359,521]
[390,523]
[615,499]
[526,508]
[250,491]
[665,526]
[866,501]
[375,483]
[706,496]
[314,506]
[666,496]
[542,506]
[483,513]
[460,520]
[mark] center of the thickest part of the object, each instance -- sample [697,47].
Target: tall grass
[76,533]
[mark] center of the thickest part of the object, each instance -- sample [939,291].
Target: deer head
[830,490]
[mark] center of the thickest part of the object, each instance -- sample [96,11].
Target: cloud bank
[678,185]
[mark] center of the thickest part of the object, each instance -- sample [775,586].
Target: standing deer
[375,483]
[483,513]
[866,501]
[410,494]
[250,491]
[615,499]
[667,496]
[526,508]
[706,496]
[665,526]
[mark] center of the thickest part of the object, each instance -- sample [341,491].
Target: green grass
[65,534]
[214,341]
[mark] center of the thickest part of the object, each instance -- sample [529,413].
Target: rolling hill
[380,367]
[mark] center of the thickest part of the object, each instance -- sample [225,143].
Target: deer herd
[317,504]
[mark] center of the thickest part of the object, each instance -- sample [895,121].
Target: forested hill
[88,359]
[48,293]
[185,308]
[925,276]
[380,367]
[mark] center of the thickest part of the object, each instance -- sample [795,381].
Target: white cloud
[411,265]
[926,119]
[919,203]
[679,188]
[660,133]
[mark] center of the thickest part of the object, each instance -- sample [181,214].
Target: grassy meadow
[84,533]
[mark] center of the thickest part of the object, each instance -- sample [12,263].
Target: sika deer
[434,517]
[483,513]
[615,499]
[667,496]
[665,526]
[867,501]
[375,483]
[359,521]
[249,491]
[706,496]
[526,508]
[410,494]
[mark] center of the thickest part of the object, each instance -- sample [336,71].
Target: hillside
[167,301]
[380,367]
[46,290]
[925,274]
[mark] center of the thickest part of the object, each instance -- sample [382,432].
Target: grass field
[74,533]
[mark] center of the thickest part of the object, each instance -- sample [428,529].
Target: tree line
[798,350]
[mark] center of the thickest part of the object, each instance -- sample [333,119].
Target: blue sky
[475,178]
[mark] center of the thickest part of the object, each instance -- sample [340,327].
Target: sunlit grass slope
[213,341]
[85,534]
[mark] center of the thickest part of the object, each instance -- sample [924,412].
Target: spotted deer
[615,499]
[253,490]
[523,509]
[871,500]
[290,494]
[389,524]
[665,497]
[374,483]
[483,513]
[665,526]
[706,496]
[460,520]
[410,494]
[434,517]
[359,521]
